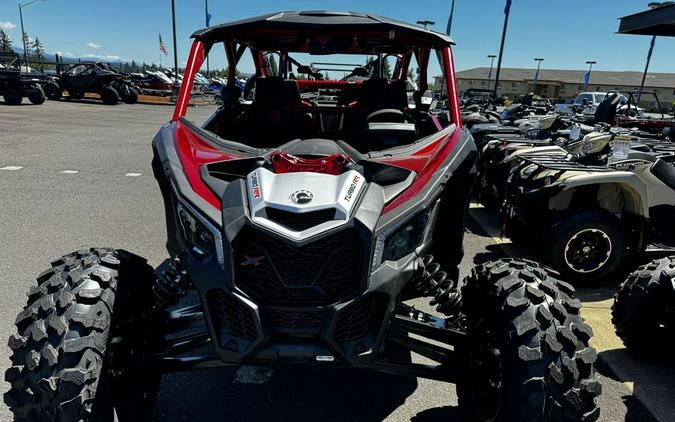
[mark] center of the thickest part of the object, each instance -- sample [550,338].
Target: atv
[99,78]
[586,218]
[15,85]
[305,229]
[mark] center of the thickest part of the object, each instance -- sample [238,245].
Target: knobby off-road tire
[82,342]
[37,95]
[528,347]
[13,95]
[597,230]
[53,91]
[643,312]
[109,95]
[130,96]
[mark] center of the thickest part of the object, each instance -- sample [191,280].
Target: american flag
[162,47]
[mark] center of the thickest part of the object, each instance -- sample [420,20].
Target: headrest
[230,95]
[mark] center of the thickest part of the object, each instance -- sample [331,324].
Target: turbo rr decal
[352,188]
[255,186]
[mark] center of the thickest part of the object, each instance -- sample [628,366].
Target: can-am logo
[255,188]
[352,188]
[302,196]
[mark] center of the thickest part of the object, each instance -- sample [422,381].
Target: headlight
[405,239]
[198,232]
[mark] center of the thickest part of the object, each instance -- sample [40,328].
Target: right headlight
[402,240]
[199,232]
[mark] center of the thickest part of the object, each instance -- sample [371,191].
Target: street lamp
[426,23]
[652,5]
[23,33]
[452,12]
[588,75]
[536,75]
[492,62]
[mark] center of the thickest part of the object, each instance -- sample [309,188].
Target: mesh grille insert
[300,222]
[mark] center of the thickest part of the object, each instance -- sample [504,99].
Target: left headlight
[198,232]
[404,239]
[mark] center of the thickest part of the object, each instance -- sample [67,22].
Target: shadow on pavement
[445,413]
[653,383]
[290,395]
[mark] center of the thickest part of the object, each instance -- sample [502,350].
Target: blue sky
[565,33]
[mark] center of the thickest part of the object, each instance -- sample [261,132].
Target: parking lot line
[69,172]
[134,174]
[11,168]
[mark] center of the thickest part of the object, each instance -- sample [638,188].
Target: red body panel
[193,153]
[194,63]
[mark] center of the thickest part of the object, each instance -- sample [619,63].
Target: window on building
[482,83]
[470,83]
[657,90]
[514,84]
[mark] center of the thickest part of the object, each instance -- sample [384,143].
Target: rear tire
[78,353]
[13,95]
[53,91]
[643,313]
[528,352]
[585,245]
[37,95]
[109,95]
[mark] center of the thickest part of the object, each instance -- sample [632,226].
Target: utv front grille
[279,272]
[300,222]
[358,324]
[234,321]
[283,321]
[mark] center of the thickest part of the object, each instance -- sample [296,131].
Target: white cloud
[7,25]
[64,53]
[104,57]
[93,45]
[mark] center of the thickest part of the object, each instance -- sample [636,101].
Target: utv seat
[606,111]
[274,117]
[665,172]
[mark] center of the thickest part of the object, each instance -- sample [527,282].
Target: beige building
[566,84]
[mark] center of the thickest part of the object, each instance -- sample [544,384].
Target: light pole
[175,52]
[452,11]
[507,12]
[492,62]
[652,5]
[206,9]
[536,75]
[426,23]
[23,33]
[588,75]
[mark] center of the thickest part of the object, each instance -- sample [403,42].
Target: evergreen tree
[38,49]
[27,43]
[134,66]
[5,42]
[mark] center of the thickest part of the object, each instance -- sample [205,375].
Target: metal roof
[321,20]
[657,21]
[598,77]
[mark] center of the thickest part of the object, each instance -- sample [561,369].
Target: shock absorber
[435,283]
[171,285]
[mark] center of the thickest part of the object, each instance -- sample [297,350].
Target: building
[565,84]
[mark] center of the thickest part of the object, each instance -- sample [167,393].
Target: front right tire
[527,352]
[79,353]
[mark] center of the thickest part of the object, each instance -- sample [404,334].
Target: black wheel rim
[486,380]
[588,250]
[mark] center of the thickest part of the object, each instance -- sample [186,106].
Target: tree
[38,49]
[134,66]
[27,43]
[5,42]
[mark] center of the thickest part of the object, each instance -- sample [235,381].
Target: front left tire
[36,95]
[78,351]
[527,355]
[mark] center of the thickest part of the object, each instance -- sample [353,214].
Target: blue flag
[587,77]
[208,19]
[507,9]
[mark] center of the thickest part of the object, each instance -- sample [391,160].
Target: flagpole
[507,11]
[206,9]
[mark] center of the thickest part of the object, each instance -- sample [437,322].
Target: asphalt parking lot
[75,175]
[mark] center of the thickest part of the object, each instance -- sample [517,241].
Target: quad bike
[586,218]
[501,155]
[99,78]
[303,238]
[643,313]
